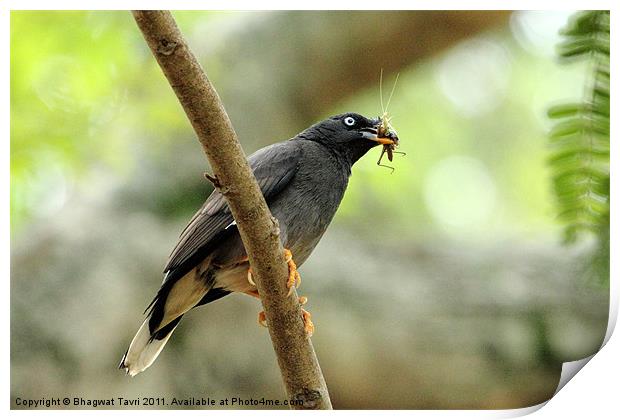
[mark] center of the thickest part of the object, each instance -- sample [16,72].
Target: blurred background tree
[443,285]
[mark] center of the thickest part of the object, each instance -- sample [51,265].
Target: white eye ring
[350,121]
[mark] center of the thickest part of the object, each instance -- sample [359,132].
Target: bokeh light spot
[474,76]
[459,194]
[538,32]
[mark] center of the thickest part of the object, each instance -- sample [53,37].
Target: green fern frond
[579,158]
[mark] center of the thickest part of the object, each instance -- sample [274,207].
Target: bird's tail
[145,348]
[175,297]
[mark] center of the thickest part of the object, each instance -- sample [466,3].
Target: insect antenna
[391,93]
[385,126]
[381,91]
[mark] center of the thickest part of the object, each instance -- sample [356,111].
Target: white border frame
[592,394]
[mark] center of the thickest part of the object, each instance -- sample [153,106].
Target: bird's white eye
[350,121]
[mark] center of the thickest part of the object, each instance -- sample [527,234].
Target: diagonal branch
[259,230]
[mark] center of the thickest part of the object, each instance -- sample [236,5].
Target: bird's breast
[309,204]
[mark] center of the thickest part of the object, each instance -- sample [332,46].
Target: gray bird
[303,181]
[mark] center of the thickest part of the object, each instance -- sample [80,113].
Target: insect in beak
[385,134]
[385,131]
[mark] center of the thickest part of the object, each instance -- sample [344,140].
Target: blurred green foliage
[580,160]
[79,79]
[64,92]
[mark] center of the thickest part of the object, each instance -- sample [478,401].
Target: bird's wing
[273,166]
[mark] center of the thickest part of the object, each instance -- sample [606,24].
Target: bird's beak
[389,137]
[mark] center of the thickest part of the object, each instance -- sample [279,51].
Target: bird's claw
[294,279]
[262,319]
[250,279]
[307,317]
[308,325]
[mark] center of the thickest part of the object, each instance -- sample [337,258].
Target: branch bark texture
[259,230]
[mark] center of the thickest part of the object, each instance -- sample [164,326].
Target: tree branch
[258,228]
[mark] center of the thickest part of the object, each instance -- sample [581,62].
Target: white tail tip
[142,351]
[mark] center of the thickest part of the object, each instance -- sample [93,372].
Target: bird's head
[350,134]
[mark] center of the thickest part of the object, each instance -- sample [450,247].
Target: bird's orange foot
[307,317]
[294,279]
[308,325]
